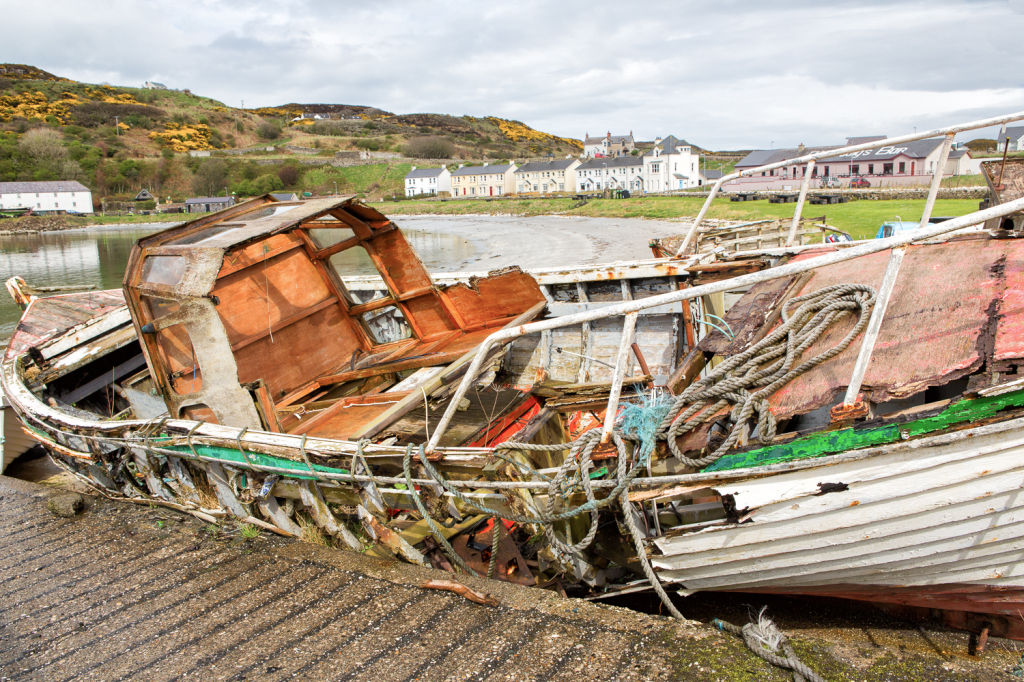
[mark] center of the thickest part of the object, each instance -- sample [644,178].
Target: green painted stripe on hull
[831,442]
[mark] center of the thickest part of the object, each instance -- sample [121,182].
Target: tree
[49,157]
[210,178]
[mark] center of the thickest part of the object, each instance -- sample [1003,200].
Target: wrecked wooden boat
[852,430]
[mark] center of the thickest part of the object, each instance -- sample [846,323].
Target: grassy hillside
[119,140]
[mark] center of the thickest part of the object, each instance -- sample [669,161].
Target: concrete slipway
[126,592]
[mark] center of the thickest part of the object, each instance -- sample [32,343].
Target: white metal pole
[933,190]
[800,202]
[792,268]
[841,151]
[625,348]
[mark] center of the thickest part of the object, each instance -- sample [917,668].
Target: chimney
[609,134]
[413,168]
[485,165]
[657,140]
[800,149]
[631,133]
[461,165]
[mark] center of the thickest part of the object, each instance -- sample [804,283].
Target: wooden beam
[398,366]
[687,372]
[410,402]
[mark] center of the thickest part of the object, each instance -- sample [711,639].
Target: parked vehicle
[831,182]
[859,183]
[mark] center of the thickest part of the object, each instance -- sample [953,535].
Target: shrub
[429,147]
[288,175]
[147,205]
[205,121]
[370,144]
[268,131]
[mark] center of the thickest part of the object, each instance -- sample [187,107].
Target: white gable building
[671,165]
[422,181]
[63,196]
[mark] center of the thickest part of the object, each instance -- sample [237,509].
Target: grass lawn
[860,218]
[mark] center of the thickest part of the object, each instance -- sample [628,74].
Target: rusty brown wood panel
[932,332]
[1009,343]
[299,352]
[502,295]
[257,297]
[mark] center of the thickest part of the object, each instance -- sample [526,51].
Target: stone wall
[868,194]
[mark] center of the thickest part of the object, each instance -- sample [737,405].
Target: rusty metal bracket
[848,411]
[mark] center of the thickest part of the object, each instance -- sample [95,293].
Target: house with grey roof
[608,146]
[670,165]
[57,196]
[622,172]
[484,181]
[208,204]
[893,165]
[1016,135]
[708,176]
[547,176]
[153,85]
[850,141]
[423,181]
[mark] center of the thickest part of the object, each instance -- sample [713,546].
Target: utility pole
[117,125]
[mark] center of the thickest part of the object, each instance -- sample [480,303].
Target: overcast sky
[723,74]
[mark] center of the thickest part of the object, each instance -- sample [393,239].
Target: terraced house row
[670,164]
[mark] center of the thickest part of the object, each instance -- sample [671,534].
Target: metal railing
[630,309]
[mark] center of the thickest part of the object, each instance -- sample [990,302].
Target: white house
[52,196]
[1016,135]
[623,172]
[484,181]
[428,181]
[671,165]
[153,85]
[547,176]
[609,145]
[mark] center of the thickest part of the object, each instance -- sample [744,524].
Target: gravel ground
[136,592]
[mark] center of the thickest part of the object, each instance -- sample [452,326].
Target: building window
[814,173]
[871,169]
[903,167]
[855,170]
[886,169]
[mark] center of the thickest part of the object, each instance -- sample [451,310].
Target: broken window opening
[164,270]
[325,237]
[200,413]
[157,308]
[386,325]
[202,235]
[267,212]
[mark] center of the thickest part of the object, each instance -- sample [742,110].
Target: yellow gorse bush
[516,131]
[183,138]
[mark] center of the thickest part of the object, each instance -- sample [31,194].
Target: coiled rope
[768,365]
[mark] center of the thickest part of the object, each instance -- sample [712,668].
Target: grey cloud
[728,74]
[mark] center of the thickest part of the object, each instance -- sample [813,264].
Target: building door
[912,167]
[492,191]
